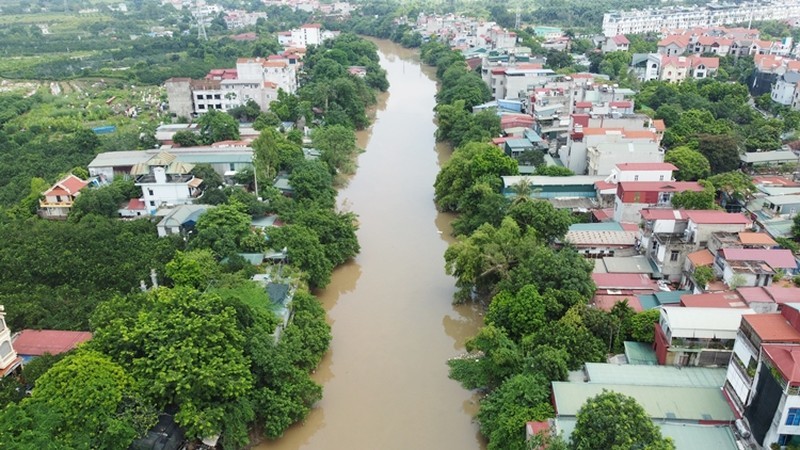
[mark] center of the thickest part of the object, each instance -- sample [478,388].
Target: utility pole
[517,19]
[201,26]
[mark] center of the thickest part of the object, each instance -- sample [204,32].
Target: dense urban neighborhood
[212,218]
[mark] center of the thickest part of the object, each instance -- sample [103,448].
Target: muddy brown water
[394,326]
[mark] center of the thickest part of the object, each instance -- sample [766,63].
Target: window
[673,255]
[150,192]
[152,203]
[636,178]
[5,349]
[793,417]
[661,178]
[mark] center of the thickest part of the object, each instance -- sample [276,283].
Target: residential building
[238,18]
[762,381]
[784,88]
[618,43]
[226,161]
[165,181]
[769,158]
[697,336]
[753,267]
[304,36]
[9,360]
[631,171]
[633,196]
[257,79]
[673,69]
[683,17]
[58,200]
[180,219]
[668,237]
[604,157]
[674,45]
[601,243]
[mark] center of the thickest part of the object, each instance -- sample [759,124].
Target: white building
[240,19]
[784,88]
[714,14]
[8,357]
[166,182]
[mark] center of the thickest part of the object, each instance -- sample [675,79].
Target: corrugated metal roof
[659,402]
[655,375]
[686,436]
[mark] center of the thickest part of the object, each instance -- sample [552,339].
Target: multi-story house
[257,79]
[763,379]
[752,266]
[58,200]
[618,43]
[783,90]
[165,181]
[633,196]
[654,66]
[669,236]
[697,336]
[240,19]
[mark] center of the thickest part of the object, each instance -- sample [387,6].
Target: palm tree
[522,190]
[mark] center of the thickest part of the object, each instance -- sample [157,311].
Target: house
[697,336]
[753,267]
[784,88]
[604,157]
[729,299]
[135,207]
[674,45]
[618,43]
[181,219]
[58,200]
[762,381]
[165,181]
[785,206]
[9,359]
[633,196]
[600,243]
[32,343]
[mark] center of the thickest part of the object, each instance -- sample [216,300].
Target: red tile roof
[786,359]
[772,327]
[701,258]
[623,281]
[620,39]
[39,342]
[755,294]
[659,125]
[68,185]
[583,104]
[783,294]
[621,104]
[777,259]
[750,238]
[714,300]
[136,204]
[604,185]
[716,217]
[606,302]
[646,166]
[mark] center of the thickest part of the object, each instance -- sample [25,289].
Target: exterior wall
[644,175]
[783,92]
[673,74]
[702,232]
[164,193]
[179,96]
[207,99]
[603,158]
[629,212]
[7,353]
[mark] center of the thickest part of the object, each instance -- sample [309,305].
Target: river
[394,327]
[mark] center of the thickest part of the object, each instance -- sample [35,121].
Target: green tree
[83,401]
[641,325]
[504,412]
[469,164]
[211,179]
[722,151]
[736,185]
[338,146]
[186,138]
[196,269]
[311,180]
[304,251]
[520,314]
[549,223]
[554,171]
[615,421]
[494,358]
[704,199]
[221,229]
[215,126]
[691,164]
[197,362]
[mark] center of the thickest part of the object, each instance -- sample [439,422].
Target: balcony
[151,178]
[49,204]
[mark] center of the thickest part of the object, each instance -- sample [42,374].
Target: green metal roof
[686,436]
[659,402]
[640,353]
[648,301]
[655,375]
[599,226]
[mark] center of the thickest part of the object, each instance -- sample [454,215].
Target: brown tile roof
[39,342]
[772,327]
[750,238]
[701,258]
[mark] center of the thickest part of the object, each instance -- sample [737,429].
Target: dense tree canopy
[691,164]
[215,126]
[615,421]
